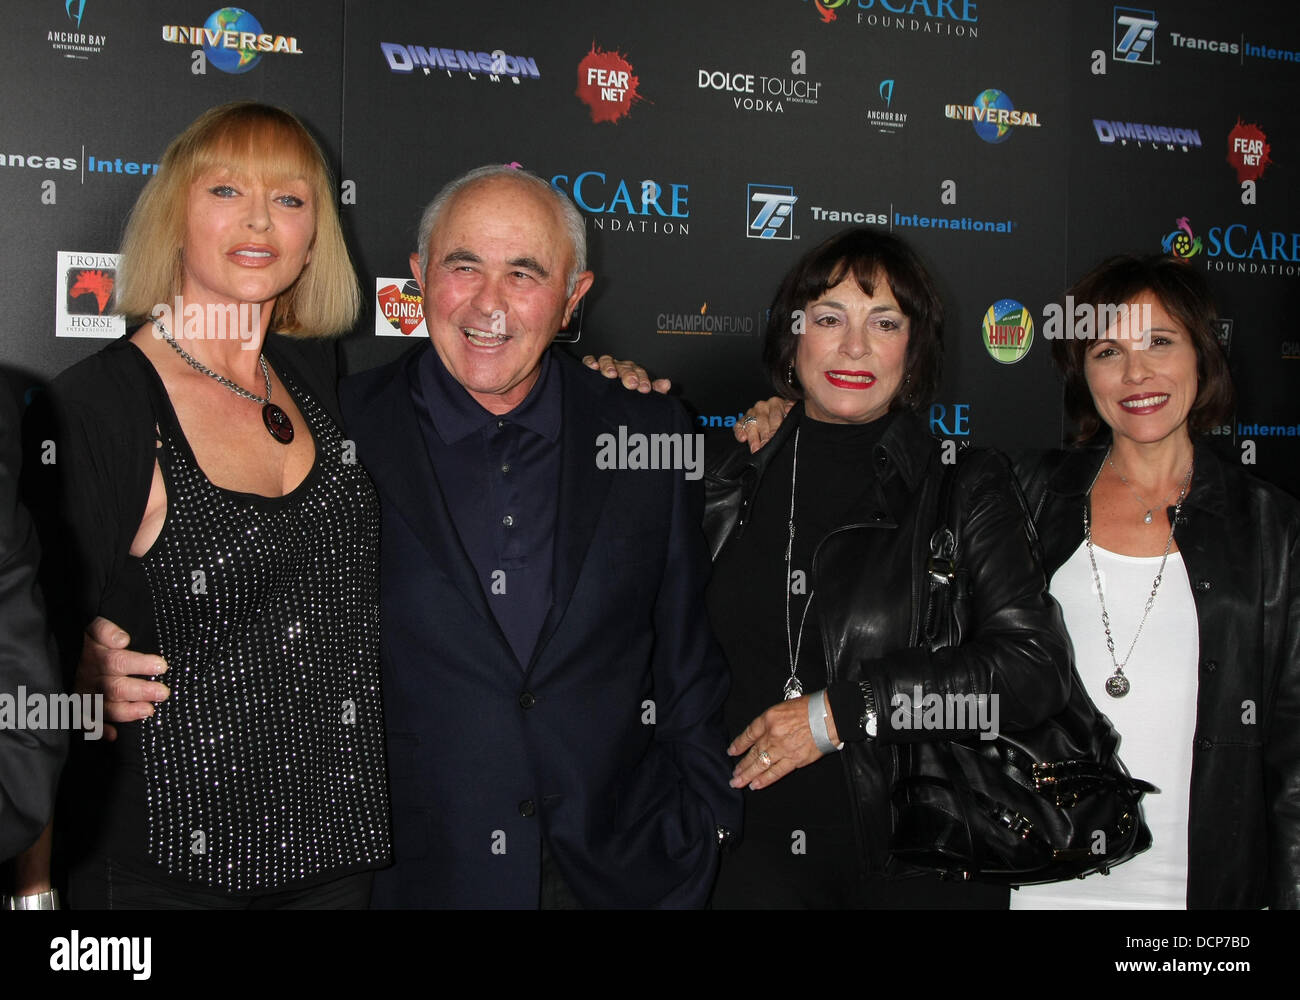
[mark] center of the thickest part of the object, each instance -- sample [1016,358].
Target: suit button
[526,700]
[878,515]
[1210,666]
[1203,585]
[882,459]
[527,808]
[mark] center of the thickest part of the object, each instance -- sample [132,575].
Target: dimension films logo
[607,84]
[403,58]
[930,17]
[76,44]
[769,212]
[1008,331]
[1135,36]
[624,206]
[83,299]
[993,115]
[1154,136]
[756,92]
[232,39]
[1237,249]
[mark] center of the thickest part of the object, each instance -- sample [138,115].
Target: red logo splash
[1248,151]
[96,283]
[607,84]
[403,308]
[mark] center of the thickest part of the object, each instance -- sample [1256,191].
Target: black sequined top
[264,769]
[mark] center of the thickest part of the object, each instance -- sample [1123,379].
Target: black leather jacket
[1239,539]
[868,593]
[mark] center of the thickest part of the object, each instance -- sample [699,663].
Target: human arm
[762,420]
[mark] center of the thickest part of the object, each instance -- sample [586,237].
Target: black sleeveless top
[264,769]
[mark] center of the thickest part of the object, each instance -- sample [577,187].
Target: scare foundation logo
[607,84]
[399,308]
[958,18]
[68,40]
[1008,331]
[624,205]
[1248,151]
[232,39]
[84,300]
[1237,248]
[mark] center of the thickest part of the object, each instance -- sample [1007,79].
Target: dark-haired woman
[1179,578]
[815,539]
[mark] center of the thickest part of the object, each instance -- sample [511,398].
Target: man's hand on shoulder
[631,374]
[109,668]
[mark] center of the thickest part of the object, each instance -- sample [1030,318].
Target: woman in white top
[1176,573]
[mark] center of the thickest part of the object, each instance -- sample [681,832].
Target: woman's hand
[761,421]
[631,374]
[782,734]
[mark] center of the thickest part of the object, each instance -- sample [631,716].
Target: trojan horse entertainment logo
[84,301]
[607,84]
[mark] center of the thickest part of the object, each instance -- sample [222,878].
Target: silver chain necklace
[1117,684]
[1147,517]
[277,422]
[793,689]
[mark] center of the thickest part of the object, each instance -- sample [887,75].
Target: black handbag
[1045,805]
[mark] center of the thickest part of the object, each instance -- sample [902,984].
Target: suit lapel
[398,460]
[583,489]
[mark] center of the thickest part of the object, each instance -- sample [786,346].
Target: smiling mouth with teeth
[482,338]
[1144,402]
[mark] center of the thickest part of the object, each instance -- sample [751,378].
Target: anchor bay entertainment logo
[889,120]
[68,40]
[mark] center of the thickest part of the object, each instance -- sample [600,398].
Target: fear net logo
[607,84]
[770,212]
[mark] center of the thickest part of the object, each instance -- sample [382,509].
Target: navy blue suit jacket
[610,742]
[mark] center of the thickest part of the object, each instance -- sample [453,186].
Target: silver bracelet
[817,723]
[48,900]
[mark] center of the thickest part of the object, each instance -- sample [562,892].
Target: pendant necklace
[1147,517]
[793,689]
[277,422]
[1117,684]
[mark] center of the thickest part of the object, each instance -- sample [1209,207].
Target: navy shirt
[500,476]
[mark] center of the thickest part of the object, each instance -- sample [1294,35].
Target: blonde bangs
[249,140]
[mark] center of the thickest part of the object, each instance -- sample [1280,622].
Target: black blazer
[610,743]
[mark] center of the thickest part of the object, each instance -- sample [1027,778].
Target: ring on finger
[765,757]
[749,420]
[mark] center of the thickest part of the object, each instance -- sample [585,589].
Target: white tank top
[1156,720]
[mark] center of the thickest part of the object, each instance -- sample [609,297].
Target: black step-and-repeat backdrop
[709,144]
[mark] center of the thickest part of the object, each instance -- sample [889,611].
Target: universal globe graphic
[232,60]
[992,131]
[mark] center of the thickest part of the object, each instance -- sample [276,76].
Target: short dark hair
[1184,293]
[866,254]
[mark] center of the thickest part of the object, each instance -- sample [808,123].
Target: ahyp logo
[1008,331]
[770,212]
[1135,35]
[1182,242]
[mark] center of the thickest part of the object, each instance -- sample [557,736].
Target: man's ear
[580,288]
[415,270]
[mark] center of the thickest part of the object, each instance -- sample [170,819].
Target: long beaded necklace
[277,422]
[1117,684]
